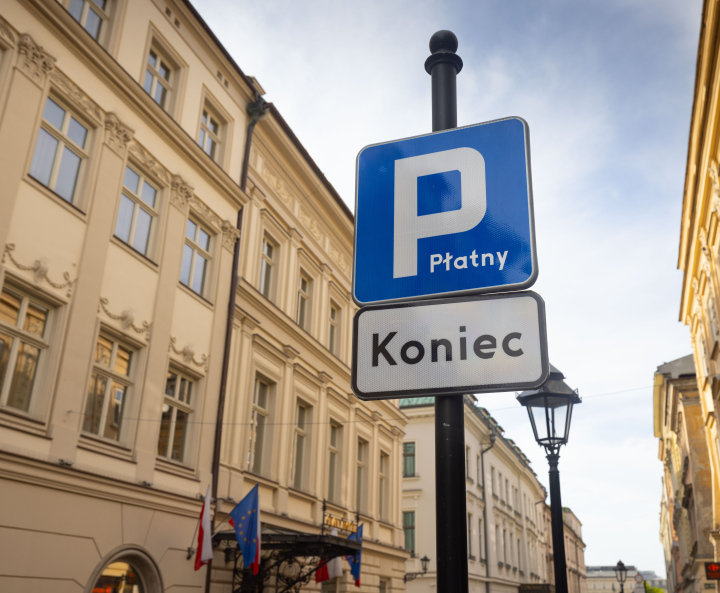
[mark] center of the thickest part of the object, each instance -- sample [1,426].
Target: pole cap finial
[443,45]
[443,40]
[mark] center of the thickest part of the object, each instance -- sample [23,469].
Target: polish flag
[204,549]
[331,569]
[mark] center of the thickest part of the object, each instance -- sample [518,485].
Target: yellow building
[124,128]
[699,253]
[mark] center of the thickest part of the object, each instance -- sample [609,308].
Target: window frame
[361,474]
[156,212]
[334,463]
[197,250]
[268,263]
[105,15]
[258,465]
[112,376]
[407,456]
[177,405]
[384,486]
[304,301]
[77,199]
[157,43]
[334,328]
[17,335]
[301,434]
[409,532]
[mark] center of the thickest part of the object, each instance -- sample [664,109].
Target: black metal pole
[451,518]
[556,520]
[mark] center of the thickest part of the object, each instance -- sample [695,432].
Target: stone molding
[227,229]
[33,60]
[117,135]
[40,270]
[6,35]
[126,319]
[148,162]
[180,192]
[188,355]
[76,97]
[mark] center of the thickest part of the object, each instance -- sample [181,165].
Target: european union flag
[246,521]
[354,559]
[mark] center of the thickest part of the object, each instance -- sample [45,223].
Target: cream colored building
[699,260]
[123,132]
[508,540]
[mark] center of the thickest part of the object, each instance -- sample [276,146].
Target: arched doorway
[126,570]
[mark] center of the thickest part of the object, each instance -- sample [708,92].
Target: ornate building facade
[699,259]
[509,538]
[129,200]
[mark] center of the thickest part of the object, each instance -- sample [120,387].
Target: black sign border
[499,387]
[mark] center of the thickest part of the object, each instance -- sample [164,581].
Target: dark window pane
[10,307]
[92,23]
[35,319]
[160,94]
[186,263]
[113,420]
[77,132]
[142,231]
[164,438]
[199,273]
[24,377]
[93,407]
[203,240]
[124,219]
[44,157]
[152,58]
[147,83]
[190,230]
[171,384]
[67,175]
[131,180]
[54,114]
[185,390]
[75,9]
[164,71]
[210,149]
[103,351]
[149,193]
[178,448]
[201,140]
[5,344]
[122,361]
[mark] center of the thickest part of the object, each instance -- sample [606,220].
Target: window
[383,587]
[109,386]
[383,485]
[507,492]
[334,461]
[467,463]
[59,151]
[209,138]
[498,544]
[137,211]
[477,469]
[408,460]
[334,329]
[361,475]
[258,421]
[176,411]
[91,14]
[500,481]
[267,267]
[158,78]
[302,418]
[481,545]
[23,324]
[409,529]
[504,546]
[469,536]
[492,480]
[303,302]
[196,255]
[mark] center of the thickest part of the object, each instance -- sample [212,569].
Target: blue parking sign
[447,213]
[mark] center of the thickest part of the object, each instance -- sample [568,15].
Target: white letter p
[409,227]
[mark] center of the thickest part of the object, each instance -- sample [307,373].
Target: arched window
[126,570]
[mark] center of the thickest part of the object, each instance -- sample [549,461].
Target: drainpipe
[493,438]
[257,110]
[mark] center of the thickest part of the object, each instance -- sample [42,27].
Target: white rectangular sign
[470,344]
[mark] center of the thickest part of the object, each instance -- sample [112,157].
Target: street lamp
[550,410]
[620,574]
[409,576]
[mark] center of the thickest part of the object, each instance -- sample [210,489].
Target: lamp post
[620,574]
[550,410]
[409,576]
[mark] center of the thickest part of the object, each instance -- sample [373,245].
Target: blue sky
[606,87]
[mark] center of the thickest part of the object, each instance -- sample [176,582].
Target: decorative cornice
[188,355]
[230,233]
[75,96]
[6,36]
[40,269]
[33,60]
[117,134]
[290,352]
[339,258]
[147,161]
[126,319]
[180,192]
[311,225]
[278,186]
